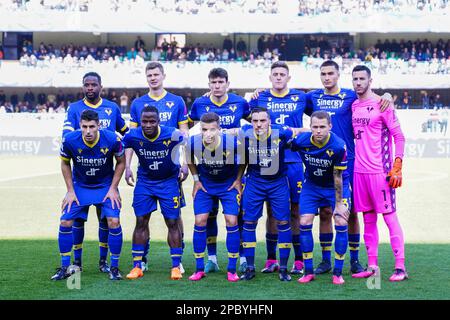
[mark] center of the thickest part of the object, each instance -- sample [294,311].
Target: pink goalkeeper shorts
[371,192]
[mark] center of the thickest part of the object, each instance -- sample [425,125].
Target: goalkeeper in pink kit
[377,173]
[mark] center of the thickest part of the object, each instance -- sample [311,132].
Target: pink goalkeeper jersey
[373,132]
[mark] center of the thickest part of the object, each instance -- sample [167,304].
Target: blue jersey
[109,115]
[157,158]
[92,163]
[265,156]
[230,112]
[339,106]
[172,110]
[321,160]
[285,110]
[220,164]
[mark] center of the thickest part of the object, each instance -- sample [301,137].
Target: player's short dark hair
[154,65]
[362,67]
[218,73]
[321,115]
[258,110]
[279,64]
[89,115]
[93,74]
[210,117]
[150,109]
[329,63]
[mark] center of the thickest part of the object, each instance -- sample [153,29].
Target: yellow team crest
[80,150]
[141,143]
[207,109]
[233,108]
[342,95]
[104,150]
[167,142]
[226,154]
[108,111]
[294,98]
[277,141]
[330,153]
[270,99]
[307,149]
[170,104]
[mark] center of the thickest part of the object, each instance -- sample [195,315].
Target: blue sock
[340,247]
[146,250]
[103,232]
[249,243]
[78,236]
[353,242]
[284,243]
[271,246]
[307,243]
[176,254]
[199,242]
[137,252]
[297,247]
[233,243]
[326,242]
[65,242]
[115,241]
[211,233]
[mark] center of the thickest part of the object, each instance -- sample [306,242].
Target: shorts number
[384,194]
[176,201]
[238,199]
[299,186]
[345,201]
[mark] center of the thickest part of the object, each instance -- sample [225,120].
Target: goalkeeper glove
[395,175]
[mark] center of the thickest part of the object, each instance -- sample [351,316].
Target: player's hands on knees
[256,93]
[197,186]
[129,177]
[68,200]
[184,172]
[395,175]
[342,211]
[237,184]
[386,101]
[114,196]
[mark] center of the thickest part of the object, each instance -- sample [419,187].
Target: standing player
[94,181]
[213,161]
[376,175]
[111,119]
[264,146]
[326,185]
[172,113]
[337,102]
[157,180]
[286,107]
[230,108]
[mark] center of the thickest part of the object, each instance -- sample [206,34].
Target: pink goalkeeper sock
[397,241]
[371,237]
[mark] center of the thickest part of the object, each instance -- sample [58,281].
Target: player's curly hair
[150,109]
[93,74]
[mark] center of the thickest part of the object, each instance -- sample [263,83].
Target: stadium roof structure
[149,22]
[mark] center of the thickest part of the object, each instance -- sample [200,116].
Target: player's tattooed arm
[113,192]
[340,208]
[70,196]
[128,173]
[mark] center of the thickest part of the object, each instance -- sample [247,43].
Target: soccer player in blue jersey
[172,112]
[326,185]
[157,181]
[337,102]
[286,107]
[110,118]
[231,109]
[213,161]
[266,180]
[93,181]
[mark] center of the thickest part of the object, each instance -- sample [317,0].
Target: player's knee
[231,220]
[141,224]
[325,214]
[306,219]
[113,223]
[340,221]
[66,223]
[201,220]
[172,224]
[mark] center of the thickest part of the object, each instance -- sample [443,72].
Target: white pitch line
[30,176]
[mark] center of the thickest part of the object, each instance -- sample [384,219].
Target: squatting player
[230,108]
[326,185]
[213,161]
[111,119]
[158,179]
[94,181]
[376,173]
[266,180]
[286,107]
[337,102]
[172,113]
